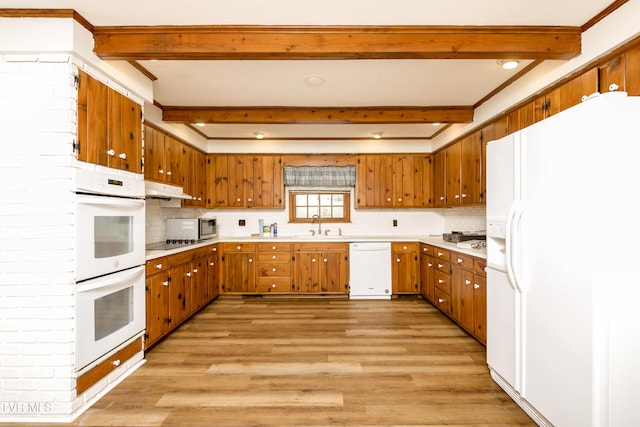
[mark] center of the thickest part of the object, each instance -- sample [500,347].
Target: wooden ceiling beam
[336,42]
[320,115]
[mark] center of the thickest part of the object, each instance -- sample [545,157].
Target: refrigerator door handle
[510,240]
[516,243]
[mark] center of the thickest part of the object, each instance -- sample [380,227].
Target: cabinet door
[480,307]
[198,289]
[453,175]
[375,181]
[218,180]
[404,268]
[175,158]
[130,135]
[632,71]
[213,276]
[306,276]
[194,177]
[92,120]
[236,169]
[426,277]
[613,73]
[365,181]
[426,180]
[154,155]
[178,301]
[239,272]
[462,298]
[334,275]
[403,181]
[264,185]
[157,307]
[471,164]
[439,179]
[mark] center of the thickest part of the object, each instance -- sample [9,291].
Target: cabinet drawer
[464,261]
[426,249]
[442,301]
[156,265]
[441,254]
[84,382]
[443,267]
[442,282]
[274,269]
[239,247]
[274,285]
[320,247]
[274,257]
[479,266]
[274,247]
[404,246]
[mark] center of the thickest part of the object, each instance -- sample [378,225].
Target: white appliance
[370,270]
[562,332]
[110,258]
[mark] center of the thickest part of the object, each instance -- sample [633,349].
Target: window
[329,206]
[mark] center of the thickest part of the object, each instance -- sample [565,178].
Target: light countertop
[430,240]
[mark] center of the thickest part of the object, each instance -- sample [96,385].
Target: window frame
[346,218]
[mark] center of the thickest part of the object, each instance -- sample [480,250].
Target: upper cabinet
[165,157]
[109,126]
[393,181]
[458,173]
[244,181]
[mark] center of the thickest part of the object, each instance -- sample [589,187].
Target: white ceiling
[347,83]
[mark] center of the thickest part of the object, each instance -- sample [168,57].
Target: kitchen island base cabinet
[320,268]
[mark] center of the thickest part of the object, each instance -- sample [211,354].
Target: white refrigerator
[563,277]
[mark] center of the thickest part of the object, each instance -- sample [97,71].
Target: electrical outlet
[395,222]
[241,222]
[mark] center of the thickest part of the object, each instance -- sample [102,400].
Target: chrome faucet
[319,223]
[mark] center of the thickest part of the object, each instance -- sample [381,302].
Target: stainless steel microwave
[190,229]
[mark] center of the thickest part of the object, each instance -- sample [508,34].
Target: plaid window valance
[338,176]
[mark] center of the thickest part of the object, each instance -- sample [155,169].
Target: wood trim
[143,70]
[399,138]
[517,76]
[309,115]
[599,17]
[337,42]
[85,381]
[47,13]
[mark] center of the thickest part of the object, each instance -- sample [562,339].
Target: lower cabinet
[455,283]
[274,268]
[176,287]
[404,268]
[238,268]
[320,268]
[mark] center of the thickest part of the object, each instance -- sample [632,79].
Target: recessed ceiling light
[377,134]
[259,135]
[436,124]
[508,64]
[314,80]
[200,124]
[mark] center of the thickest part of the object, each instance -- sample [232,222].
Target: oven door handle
[119,201]
[111,280]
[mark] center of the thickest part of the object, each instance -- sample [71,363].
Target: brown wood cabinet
[165,157]
[109,126]
[244,181]
[177,286]
[238,268]
[320,268]
[458,173]
[427,288]
[442,280]
[439,179]
[393,181]
[195,178]
[404,268]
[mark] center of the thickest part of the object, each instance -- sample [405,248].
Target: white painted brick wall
[37,240]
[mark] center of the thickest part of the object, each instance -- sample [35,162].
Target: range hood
[157,190]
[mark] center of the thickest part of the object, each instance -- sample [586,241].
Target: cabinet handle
[116,363]
[189,274]
[159,266]
[404,248]
[249,199]
[439,253]
[273,257]
[459,260]
[397,259]
[165,283]
[429,264]
[111,152]
[250,259]
[325,260]
[273,269]
[273,285]
[440,300]
[238,247]
[273,248]
[476,286]
[464,195]
[211,264]
[214,249]
[169,173]
[456,196]
[467,282]
[440,265]
[440,281]
[313,260]
[123,156]
[238,200]
[195,270]
[161,171]
[388,199]
[399,199]
[441,197]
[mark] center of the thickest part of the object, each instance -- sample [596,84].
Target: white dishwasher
[370,270]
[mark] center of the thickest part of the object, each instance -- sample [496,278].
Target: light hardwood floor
[311,362]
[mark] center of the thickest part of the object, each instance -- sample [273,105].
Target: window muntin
[330,206]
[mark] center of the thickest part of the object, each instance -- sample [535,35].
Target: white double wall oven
[110,276]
